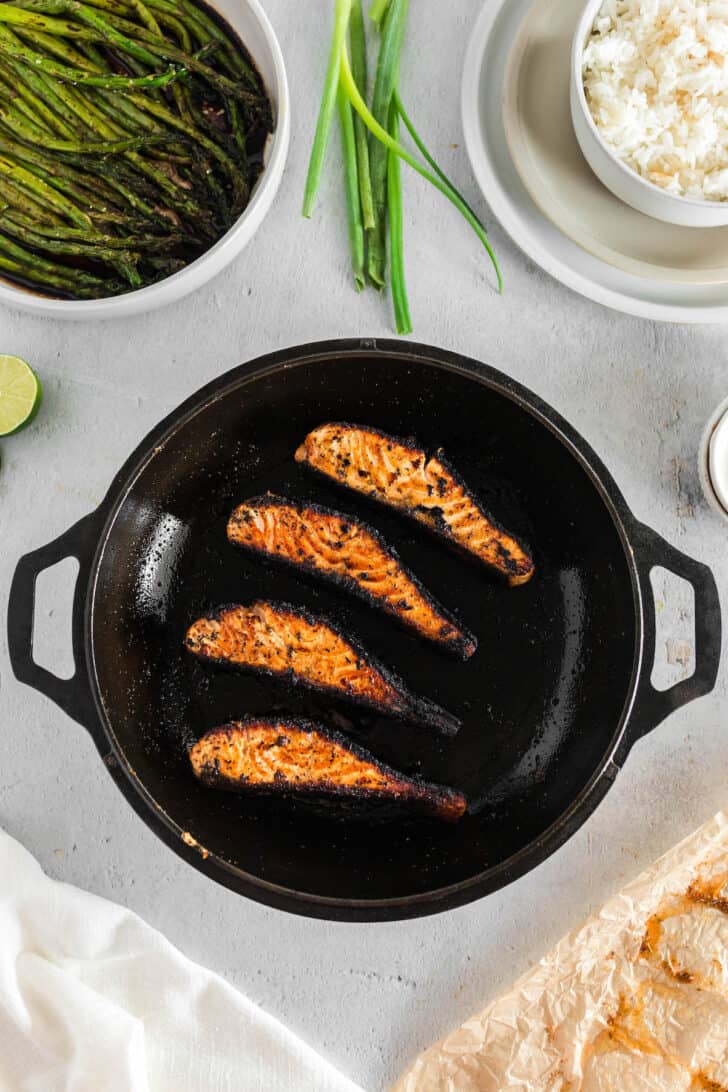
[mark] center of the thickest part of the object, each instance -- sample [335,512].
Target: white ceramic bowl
[713,461]
[623,182]
[251,23]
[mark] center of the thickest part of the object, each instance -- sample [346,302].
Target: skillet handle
[72,695]
[652,706]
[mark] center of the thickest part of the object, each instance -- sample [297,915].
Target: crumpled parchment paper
[636,1000]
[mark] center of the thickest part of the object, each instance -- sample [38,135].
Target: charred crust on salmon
[345,551]
[282,641]
[288,757]
[425,487]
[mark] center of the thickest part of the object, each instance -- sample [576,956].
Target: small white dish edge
[714,450]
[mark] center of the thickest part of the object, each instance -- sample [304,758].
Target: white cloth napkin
[94,1000]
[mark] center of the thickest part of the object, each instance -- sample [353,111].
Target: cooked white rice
[656,80]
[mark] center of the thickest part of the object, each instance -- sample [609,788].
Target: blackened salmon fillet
[286,757]
[280,640]
[346,552]
[428,489]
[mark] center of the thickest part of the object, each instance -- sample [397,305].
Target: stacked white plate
[527,161]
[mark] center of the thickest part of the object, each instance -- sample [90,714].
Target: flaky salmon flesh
[261,756]
[346,552]
[399,474]
[280,640]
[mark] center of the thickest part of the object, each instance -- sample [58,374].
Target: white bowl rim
[584,26]
[506,207]
[220,254]
[705,460]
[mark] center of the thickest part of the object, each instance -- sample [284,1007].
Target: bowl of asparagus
[142,143]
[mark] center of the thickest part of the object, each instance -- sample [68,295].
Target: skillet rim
[277,895]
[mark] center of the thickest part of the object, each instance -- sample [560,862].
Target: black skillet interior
[541,700]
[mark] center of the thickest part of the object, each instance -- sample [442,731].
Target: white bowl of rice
[649,104]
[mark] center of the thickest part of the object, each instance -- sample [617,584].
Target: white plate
[544,148]
[515,103]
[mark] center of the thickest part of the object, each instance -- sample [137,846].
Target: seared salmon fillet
[399,474]
[278,639]
[340,549]
[298,758]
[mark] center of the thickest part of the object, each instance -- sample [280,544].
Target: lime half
[20,394]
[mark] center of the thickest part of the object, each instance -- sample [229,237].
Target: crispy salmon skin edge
[425,712]
[514,578]
[463,644]
[439,801]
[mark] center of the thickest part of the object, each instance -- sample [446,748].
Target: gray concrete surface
[368,997]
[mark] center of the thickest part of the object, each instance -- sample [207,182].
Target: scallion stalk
[384,85]
[353,201]
[393,145]
[402,317]
[358,44]
[419,143]
[342,13]
[378,10]
[372,148]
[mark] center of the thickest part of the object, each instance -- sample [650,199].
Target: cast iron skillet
[553,701]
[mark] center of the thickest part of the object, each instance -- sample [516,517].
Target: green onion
[378,10]
[342,12]
[425,153]
[396,244]
[358,44]
[353,202]
[394,146]
[384,85]
[371,147]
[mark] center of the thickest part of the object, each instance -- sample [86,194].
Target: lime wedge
[20,394]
